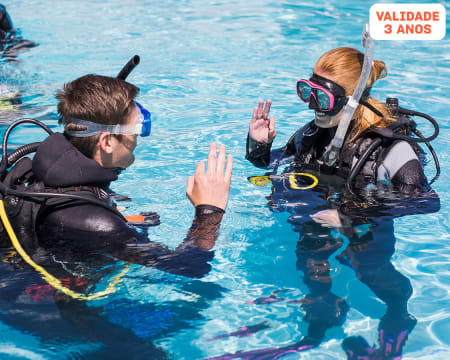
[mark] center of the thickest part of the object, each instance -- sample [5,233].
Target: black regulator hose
[22,151]
[425,116]
[433,153]
[129,66]
[395,109]
[361,163]
[4,163]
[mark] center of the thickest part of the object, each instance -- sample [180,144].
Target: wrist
[205,209]
[256,143]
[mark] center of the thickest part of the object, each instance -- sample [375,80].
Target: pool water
[204,65]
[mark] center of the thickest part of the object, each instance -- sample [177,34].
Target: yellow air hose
[50,279]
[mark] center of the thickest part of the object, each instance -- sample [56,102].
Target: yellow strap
[266,179]
[56,283]
[259,180]
[293,181]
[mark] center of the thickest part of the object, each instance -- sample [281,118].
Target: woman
[377,169]
[334,79]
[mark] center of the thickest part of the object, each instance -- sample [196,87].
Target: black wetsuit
[80,229]
[81,244]
[391,184]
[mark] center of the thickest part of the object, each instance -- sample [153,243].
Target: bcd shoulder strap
[24,212]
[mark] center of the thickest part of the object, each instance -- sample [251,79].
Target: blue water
[204,65]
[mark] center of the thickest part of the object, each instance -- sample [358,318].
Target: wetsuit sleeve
[402,168]
[191,257]
[83,227]
[89,230]
[260,154]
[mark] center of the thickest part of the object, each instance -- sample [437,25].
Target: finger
[212,159]
[255,114]
[229,169]
[190,186]
[272,135]
[272,124]
[260,109]
[200,169]
[267,109]
[221,160]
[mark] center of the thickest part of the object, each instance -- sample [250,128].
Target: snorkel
[331,155]
[9,160]
[128,67]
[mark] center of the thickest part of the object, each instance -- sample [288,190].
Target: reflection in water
[117,327]
[364,241]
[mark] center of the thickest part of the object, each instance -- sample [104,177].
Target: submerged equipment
[50,279]
[9,160]
[331,155]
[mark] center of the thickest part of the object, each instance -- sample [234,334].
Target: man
[102,121]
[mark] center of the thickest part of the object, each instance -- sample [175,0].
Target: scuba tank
[402,129]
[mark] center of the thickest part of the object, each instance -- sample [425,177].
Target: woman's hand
[213,186]
[262,128]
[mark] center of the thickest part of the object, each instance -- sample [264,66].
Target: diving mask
[322,94]
[142,125]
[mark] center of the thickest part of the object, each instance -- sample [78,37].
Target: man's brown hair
[100,99]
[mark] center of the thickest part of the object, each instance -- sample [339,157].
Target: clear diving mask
[142,125]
